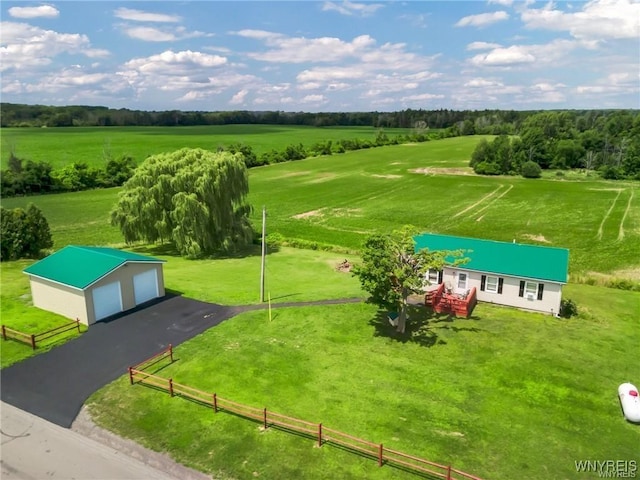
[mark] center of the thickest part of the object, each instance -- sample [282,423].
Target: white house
[514,274]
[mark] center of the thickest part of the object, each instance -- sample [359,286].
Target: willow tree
[392,269]
[194,198]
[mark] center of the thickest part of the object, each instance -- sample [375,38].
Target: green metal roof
[513,259]
[79,267]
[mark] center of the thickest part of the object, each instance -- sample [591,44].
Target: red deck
[458,305]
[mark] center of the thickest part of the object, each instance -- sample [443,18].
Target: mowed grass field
[503,395]
[61,146]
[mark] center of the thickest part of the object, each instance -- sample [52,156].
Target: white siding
[550,303]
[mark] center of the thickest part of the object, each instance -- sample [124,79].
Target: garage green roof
[80,267]
[503,258]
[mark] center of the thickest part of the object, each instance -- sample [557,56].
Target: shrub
[24,233]
[486,168]
[568,308]
[531,169]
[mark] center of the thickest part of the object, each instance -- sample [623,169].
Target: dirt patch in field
[390,176]
[443,171]
[309,214]
[344,266]
[536,238]
[450,434]
[323,177]
[397,163]
[346,212]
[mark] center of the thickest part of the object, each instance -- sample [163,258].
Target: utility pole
[264,252]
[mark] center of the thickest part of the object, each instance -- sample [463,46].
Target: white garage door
[145,286]
[107,300]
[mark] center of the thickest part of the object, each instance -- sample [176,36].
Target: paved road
[33,448]
[55,384]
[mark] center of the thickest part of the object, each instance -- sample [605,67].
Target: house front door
[461,286]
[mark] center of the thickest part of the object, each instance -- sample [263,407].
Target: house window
[531,290]
[491,284]
[434,277]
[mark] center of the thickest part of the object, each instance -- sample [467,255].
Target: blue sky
[322,56]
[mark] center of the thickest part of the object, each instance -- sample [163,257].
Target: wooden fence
[316,431]
[33,338]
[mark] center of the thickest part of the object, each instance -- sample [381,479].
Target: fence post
[319,434]
[78,324]
[449,472]
[380,456]
[131,375]
[215,403]
[171,387]
[4,333]
[171,352]
[265,418]
[33,341]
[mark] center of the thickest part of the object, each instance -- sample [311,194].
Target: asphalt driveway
[55,385]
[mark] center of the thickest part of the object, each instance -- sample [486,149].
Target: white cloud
[482,83]
[140,16]
[516,55]
[25,46]
[482,46]
[482,19]
[506,3]
[239,97]
[149,34]
[421,97]
[315,100]
[43,11]
[300,50]
[598,20]
[500,57]
[352,8]
[168,58]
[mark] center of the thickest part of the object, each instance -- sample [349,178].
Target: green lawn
[505,394]
[19,313]
[61,146]
[291,275]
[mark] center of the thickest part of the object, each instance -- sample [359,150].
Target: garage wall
[60,299]
[124,275]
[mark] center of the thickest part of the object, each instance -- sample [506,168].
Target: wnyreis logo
[608,468]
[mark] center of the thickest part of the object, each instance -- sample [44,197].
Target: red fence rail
[267,418]
[32,339]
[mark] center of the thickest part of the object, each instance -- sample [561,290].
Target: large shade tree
[391,269]
[195,198]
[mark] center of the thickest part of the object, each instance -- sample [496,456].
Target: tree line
[607,143]
[493,122]
[27,177]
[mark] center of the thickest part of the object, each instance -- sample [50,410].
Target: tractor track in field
[624,216]
[479,202]
[606,215]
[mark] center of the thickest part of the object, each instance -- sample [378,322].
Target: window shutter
[500,282]
[521,292]
[439,276]
[483,282]
[540,289]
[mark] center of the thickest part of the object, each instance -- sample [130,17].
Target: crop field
[338,199]
[503,395]
[61,146]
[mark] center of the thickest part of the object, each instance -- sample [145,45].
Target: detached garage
[93,283]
